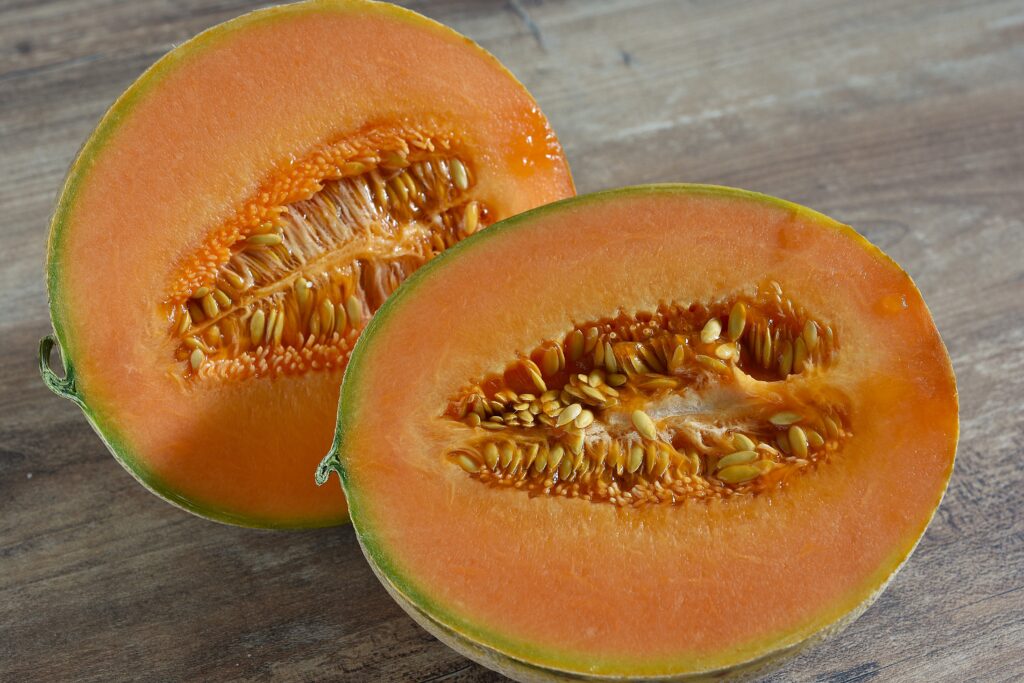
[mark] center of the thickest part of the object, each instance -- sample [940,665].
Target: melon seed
[610,363]
[712,363]
[467,463]
[314,325]
[831,428]
[737,320]
[264,240]
[213,336]
[798,441]
[340,317]
[585,419]
[271,323]
[400,190]
[354,310]
[459,175]
[555,456]
[651,359]
[737,474]
[810,335]
[506,451]
[786,359]
[737,458]
[256,323]
[517,460]
[678,358]
[785,418]
[576,342]
[326,317]
[742,442]
[541,462]
[491,454]
[569,414]
[222,297]
[550,363]
[279,329]
[565,468]
[186,322]
[591,393]
[471,217]
[650,457]
[766,349]
[644,425]
[394,159]
[534,372]
[210,307]
[725,351]
[302,292]
[799,355]
[575,441]
[711,330]
[636,456]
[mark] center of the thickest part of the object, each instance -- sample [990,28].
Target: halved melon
[239,214]
[682,429]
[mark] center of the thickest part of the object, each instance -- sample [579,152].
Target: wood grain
[902,118]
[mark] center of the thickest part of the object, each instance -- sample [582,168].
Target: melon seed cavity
[689,402]
[287,286]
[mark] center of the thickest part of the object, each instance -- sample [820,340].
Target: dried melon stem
[286,286]
[697,401]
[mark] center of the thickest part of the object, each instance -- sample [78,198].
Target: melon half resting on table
[681,430]
[240,213]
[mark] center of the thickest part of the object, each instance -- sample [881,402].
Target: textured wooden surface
[903,118]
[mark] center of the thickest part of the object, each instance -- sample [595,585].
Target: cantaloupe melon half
[682,429]
[239,214]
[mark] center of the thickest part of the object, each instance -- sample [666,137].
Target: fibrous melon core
[288,284]
[690,401]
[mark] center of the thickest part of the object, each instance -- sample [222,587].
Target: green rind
[76,177]
[522,660]
[62,386]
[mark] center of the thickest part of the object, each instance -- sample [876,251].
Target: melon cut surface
[240,213]
[683,430]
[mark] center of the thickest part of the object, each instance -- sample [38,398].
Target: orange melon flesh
[179,153]
[564,586]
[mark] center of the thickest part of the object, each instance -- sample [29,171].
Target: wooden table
[903,118]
